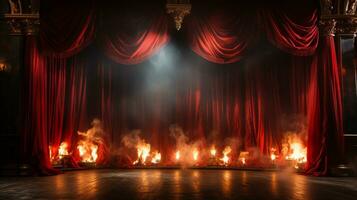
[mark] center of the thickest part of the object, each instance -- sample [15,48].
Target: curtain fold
[299,39]
[242,103]
[66,27]
[218,38]
[325,131]
[135,46]
[35,141]
[56,95]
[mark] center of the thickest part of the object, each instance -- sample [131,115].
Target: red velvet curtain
[288,35]
[36,123]
[66,27]
[235,103]
[127,46]
[218,36]
[75,118]
[56,95]
[325,134]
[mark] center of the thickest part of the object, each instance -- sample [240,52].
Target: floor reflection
[299,189]
[226,183]
[87,184]
[195,181]
[178,184]
[144,182]
[274,184]
[245,182]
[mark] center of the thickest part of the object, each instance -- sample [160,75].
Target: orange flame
[272,154]
[227,150]
[298,153]
[87,151]
[177,155]
[50,153]
[156,158]
[143,151]
[62,150]
[213,151]
[243,161]
[243,157]
[293,149]
[272,157]
[195,154]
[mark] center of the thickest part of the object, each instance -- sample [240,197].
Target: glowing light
[50,153]
[272,157]
[243,157]
[225,159]
[94,154]
[156,158]
[298,152]
[213,151]
[243,161]
[3,67]
[143,151]
[87,151]
[177,155]
[62,150]
[272,154]
[195,154]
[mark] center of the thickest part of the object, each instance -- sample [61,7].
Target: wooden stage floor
[177,184]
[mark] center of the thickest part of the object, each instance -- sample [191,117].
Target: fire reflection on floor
[177,184]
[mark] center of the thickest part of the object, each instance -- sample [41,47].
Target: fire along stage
[91,150]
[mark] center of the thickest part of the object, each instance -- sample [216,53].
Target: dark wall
[11,54]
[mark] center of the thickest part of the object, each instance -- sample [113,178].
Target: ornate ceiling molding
[338,17]
[178,9]
[22,19]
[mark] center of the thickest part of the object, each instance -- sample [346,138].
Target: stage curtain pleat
[66,27]
[35,130]
[243,103]
[133,47]
[325,131]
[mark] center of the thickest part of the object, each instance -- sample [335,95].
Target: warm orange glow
[94,154]
[2,67]
[298,153]
[195,154]
[177,155]
[272,157]
[156,158]
[293,149]
[213,151]
[143,151]
[50,153]
[225,159]
[62,150]
[272,154]
[87,151]
[243,161]
[243,157]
